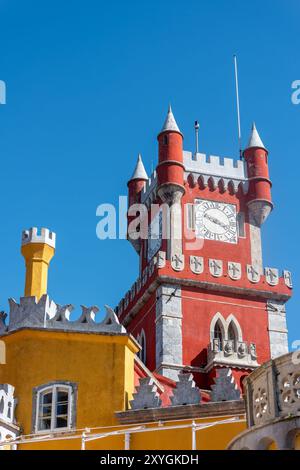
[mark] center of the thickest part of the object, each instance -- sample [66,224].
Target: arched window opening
[231,332]
[143,344]
[141,338]
[218,334]
[232,335]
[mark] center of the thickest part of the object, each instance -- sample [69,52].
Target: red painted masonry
[204,295]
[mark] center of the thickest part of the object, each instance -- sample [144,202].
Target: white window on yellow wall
[55,407]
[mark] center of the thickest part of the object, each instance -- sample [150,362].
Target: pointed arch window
[218,334]
[141,338]
[232,334]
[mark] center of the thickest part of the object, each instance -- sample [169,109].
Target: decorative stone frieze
[253,273]
[234,270]
[197,264]
[233,353]
[287,276]
[216,267]
[177,262]
[272,276]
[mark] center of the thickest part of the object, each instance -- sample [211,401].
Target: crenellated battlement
[207,168]
[216,169]
[45,313]
[214,165]
[33,235]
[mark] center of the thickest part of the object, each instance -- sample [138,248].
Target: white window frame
[54,389]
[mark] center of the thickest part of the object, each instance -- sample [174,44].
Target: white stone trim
[225,325]
[168,329]
[231,319]
[278,333]
[32,235]
[217,318]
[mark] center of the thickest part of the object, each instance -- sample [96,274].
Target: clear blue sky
[88,85]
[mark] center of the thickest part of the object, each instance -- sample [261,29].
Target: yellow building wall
[211,438]
[101,365]
[103,368]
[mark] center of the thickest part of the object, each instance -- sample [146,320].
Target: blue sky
[88,85]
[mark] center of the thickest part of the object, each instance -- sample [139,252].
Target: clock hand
[216,221]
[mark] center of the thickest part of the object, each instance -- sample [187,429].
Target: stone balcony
[272,395]
[231,353]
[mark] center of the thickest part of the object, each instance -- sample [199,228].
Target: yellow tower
[38,250]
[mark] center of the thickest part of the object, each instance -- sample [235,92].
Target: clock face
[216,221]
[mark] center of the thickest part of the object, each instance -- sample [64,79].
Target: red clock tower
[203,299]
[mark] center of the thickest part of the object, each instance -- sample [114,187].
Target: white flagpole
[238,104]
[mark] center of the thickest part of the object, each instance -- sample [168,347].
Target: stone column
[278,332]
[169,330]
[255,243]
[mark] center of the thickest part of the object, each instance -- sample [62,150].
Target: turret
[259,196]
[135,186]
[170,180]
[137,181]
[170,168]
[38,250]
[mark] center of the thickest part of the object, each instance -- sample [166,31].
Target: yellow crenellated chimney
[38,249]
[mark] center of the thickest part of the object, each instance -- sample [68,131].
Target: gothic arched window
[141,339]
[232,334]
[218,334]
[143,344]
